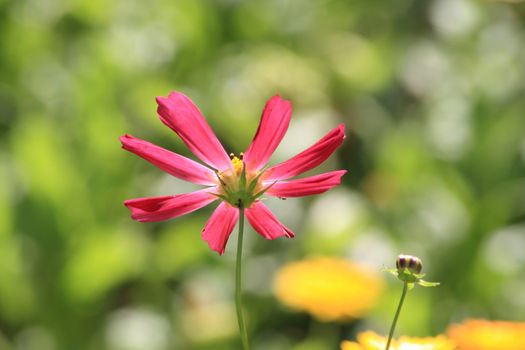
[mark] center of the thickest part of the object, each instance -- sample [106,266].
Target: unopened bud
[412,263]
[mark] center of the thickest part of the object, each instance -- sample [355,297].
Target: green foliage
[432,96]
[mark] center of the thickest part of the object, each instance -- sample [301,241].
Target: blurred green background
[432,93]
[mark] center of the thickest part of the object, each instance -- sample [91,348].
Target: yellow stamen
[237,164]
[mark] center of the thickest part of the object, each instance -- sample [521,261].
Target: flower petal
[179,113]
[172,163]
[168,207]
[309,158]
[306,186]
[272,127]
[265,223]
[220,226]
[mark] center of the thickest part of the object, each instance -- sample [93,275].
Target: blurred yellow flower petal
[331,289]
[373,341]
[488,335]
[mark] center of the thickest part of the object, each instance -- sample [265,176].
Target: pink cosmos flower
[237,181]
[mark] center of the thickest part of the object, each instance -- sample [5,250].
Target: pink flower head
[237,181]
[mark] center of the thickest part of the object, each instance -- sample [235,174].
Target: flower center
[237,163]
[239,187]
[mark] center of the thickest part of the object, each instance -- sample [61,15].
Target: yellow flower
[330,289]
[372,341]
[488,335]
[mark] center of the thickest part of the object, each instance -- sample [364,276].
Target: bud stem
[394,322]
[238,276]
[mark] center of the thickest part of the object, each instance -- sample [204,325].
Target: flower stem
[393,327]
[238,275]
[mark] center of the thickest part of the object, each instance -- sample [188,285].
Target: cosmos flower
[238,181]
[330,289]
[488,335]
[372,341]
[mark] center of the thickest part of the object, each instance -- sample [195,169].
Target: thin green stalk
[393,327]
[238,275]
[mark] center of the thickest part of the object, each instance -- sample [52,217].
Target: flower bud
[412,263]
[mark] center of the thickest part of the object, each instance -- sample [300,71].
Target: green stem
[393,327]
[238,275]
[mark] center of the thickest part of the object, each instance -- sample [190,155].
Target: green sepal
[221,196]
[406,276]
[227,193]
[391,271]
[423,283]
[243,177]
[410,278]
[254,182]
[261,192]
[220,179]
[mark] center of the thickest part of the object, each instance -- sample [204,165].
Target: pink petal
[168,207]
[265,223]
[220,226]
[309,158]
[179,113]
[306,186]
[170,162]
[272,127]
